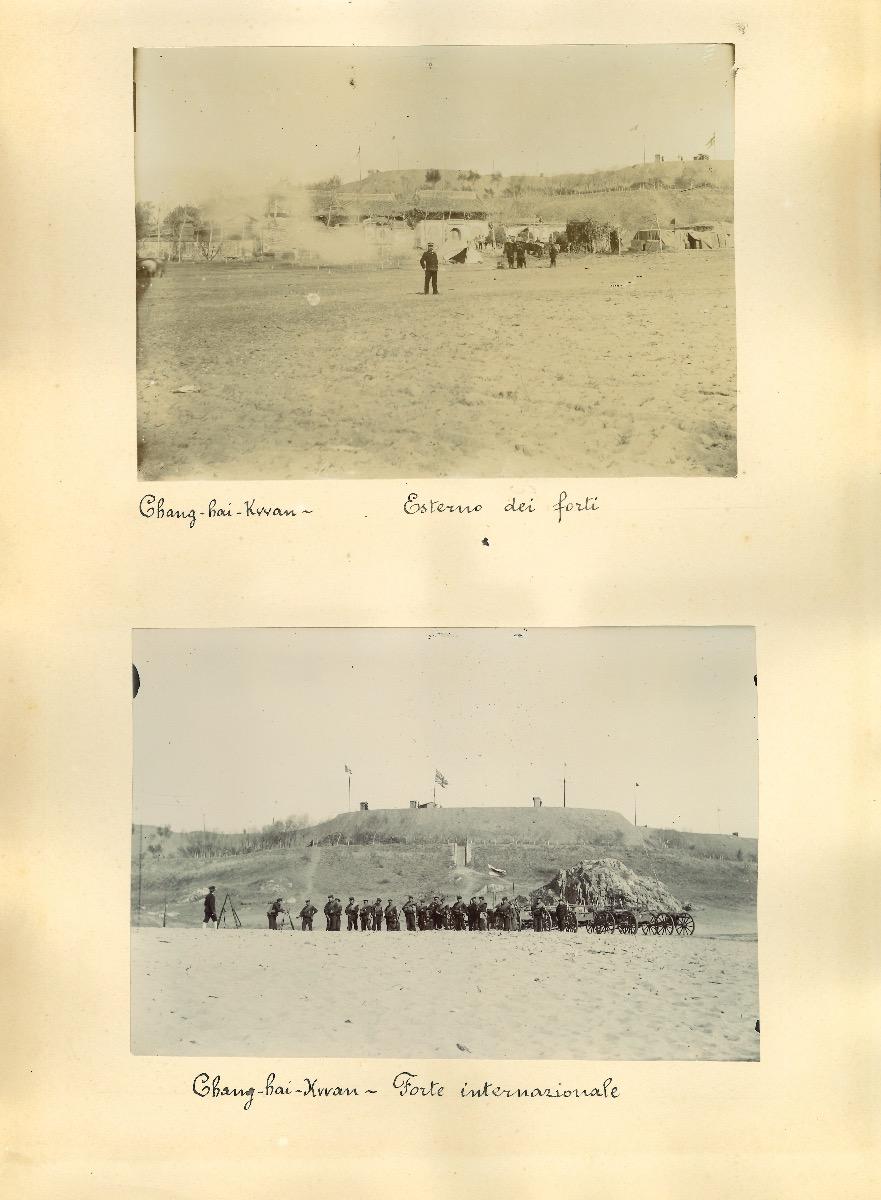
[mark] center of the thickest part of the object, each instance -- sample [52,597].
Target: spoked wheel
[646,926]
[627,922]
[605,923]
[685,925]
[664,923]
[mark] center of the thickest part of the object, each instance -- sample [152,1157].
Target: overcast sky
[241,727]
[236,120]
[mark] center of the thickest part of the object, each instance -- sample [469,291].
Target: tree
[432,176]
[181,215]
[145,220]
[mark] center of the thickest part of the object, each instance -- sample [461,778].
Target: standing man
[210,906]
[391,916]
[377,915]
[509,254]
[352,915]
[328,913]
[473,912]
[428,262]
[562,912]
[336,912]
[410,914]
[307,912]
[552,251]
[275,909]
[521,255]
[365,916]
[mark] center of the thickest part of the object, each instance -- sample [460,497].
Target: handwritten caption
[405,1084]
[158,508]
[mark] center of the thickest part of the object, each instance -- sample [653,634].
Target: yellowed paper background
[788,547]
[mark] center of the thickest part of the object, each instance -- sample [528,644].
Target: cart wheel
[630,924]
[664,923]
[685,925]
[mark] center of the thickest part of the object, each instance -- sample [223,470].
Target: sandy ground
[602,366]
[428,995]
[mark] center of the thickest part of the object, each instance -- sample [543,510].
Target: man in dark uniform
[473,913]
[328,913]
[552,251]
[365,916]
[275,909]
[352,914]
[410,914]
[509,254]
[391,916]
[521,255]
[459,913]
[307,912]
[210,906]
[423,919]
[562,912]
[428,262]
[538,915]
[336,913]
[377,915]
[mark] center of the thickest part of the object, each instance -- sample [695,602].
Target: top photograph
[435,262]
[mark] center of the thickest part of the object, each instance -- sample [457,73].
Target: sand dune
[515,995]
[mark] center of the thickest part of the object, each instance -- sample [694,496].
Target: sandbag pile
[607,883]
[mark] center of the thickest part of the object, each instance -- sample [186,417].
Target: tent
[464,256]
[659,239]
[709,237]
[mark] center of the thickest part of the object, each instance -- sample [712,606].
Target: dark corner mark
[136,681]
[756,680]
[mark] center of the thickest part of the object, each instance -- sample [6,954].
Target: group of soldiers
[424,914]
[516,251]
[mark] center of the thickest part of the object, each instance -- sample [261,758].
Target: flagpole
[349,778]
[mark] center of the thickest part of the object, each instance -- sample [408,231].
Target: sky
[236,728]
[215,121]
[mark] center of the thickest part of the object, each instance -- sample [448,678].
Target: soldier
[336,912]
[504,913]
[275,909]
[521,255]
[482,916]
[562,912]
[538,915]
[410,914]
[391,916]
[423,916]
[307,912]
[352,914]
[552,251]
[210,906]
[436,912]
[459,913]
[428,262]
[377,915]
[365,915]
[473,914]
[328,913]
[509,254]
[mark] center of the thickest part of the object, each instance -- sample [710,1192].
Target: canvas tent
[462,256]
[659,239]
[709,237]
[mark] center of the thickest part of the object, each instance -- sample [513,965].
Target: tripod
[222,915]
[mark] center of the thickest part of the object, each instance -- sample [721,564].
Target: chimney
[412,803]
[536,801]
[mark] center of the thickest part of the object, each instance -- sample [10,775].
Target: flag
[495,870]
[438,778]
[711,142]
[347,769]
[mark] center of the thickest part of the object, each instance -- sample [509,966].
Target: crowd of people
[424,914]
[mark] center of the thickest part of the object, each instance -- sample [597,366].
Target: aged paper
[786,547]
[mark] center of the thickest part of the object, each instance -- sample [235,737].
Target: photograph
[408,262]
[560,824]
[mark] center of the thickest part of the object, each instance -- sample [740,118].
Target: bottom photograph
[559,826]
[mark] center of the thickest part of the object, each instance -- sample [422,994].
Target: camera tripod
[222,915]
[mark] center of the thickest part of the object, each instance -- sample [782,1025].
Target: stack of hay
[608,883]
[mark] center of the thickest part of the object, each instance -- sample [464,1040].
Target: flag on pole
[495,870]
[711,142]
[347,769]
[438,778]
